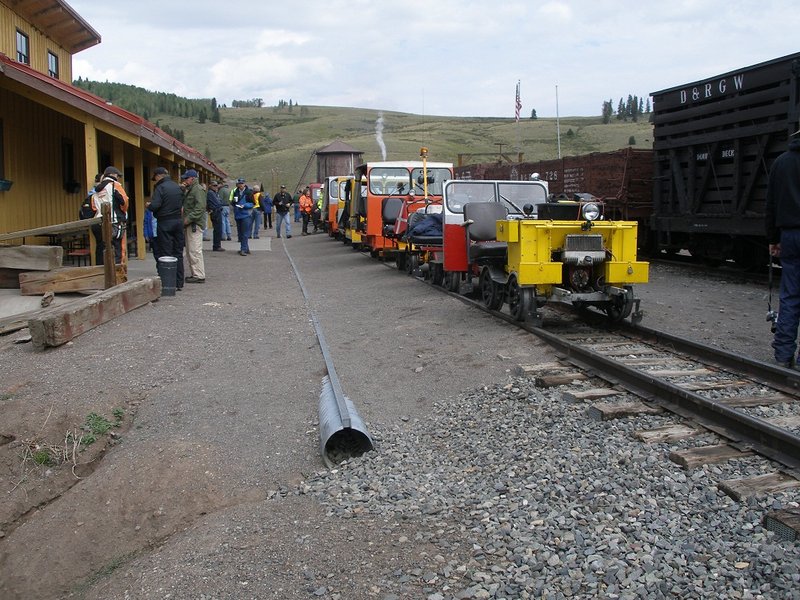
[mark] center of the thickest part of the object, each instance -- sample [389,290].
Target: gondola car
[527,249]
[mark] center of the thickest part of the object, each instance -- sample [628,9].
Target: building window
[71,185]
[52,64]
[23,48]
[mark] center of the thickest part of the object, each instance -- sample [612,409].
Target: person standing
[783,234]
[306,206]
[266,204]
[256,219]
[214,206]
[109,190]
[194,215]
[296,201]
[166,204]
[242,201]
[283,207]
[225,196]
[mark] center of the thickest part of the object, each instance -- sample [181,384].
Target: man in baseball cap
[194,220]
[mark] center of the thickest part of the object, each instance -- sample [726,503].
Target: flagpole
[558,125]
[517,109]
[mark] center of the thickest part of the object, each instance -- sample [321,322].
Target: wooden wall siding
[39,44]
[33,137]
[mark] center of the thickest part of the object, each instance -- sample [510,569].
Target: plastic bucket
[168,272]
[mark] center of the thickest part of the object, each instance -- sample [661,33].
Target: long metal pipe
[342,432]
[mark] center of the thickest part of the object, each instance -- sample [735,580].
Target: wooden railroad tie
[605,411]
[668,433]
[57,325]
[771,483]
[593,394]
[703,455]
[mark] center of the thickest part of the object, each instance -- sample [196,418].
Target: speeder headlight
[590,211]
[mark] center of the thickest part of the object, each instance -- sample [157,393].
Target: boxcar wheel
[452,281]
[400,259]
[438,274]
[620,307]
[519,300]
[412,264]
[491,292]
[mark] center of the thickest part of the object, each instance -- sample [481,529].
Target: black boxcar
[714,142]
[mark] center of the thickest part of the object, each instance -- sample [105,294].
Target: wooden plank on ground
[605,411]
[745,401]
[787,422]
[703,455]
[529,370]
[65,279]
[59,324]
[641,362]
[547,381]
[680,372]
[668,433]
[593,394]
[31,258]
[714,385]
[771,483]
[621,349]
[785,523]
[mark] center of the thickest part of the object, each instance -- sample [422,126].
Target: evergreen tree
[608,111]
[533,114]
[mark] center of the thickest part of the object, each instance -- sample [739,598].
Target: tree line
[633,108]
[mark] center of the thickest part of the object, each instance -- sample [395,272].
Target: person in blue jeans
[242,202]
[782,217]
[255,222]
[283,211]
[296,201]
[225,196]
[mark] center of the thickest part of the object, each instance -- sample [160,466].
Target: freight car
[714,141]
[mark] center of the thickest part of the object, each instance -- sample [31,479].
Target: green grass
[273,147]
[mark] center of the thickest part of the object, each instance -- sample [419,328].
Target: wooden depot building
[54,137]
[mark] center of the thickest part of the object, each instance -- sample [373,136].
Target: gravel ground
[480,486]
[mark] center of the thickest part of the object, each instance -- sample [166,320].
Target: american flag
[517,105]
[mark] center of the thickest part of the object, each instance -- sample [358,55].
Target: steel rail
[742,430]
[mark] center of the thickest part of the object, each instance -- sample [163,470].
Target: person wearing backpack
[110,191]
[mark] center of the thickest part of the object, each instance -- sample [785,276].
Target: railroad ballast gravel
[524,496]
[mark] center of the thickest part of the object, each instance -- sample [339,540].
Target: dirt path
[215,392]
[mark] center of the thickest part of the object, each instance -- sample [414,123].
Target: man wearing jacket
[283,205]
[194,216]
[783,234]
[243,203]
[166,204]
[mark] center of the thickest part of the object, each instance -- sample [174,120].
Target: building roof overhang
[58,21]
[98,108]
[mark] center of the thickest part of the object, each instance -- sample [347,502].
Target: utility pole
[558,125]
[499,152]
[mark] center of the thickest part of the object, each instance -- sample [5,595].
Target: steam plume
[379,134]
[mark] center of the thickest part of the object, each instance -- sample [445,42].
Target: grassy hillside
[263,144]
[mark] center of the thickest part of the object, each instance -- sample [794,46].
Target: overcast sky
[431,57]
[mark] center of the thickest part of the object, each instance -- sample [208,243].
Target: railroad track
[637,370]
